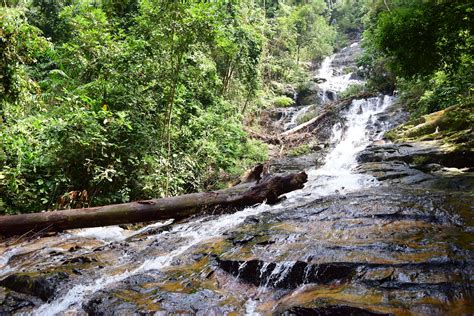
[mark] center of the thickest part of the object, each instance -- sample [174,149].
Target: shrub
[282,101]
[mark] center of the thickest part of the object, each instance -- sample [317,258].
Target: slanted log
[268,189]
[329,110]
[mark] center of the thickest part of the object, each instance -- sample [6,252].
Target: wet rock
[43,286]
[318,80]
[332,310]
[310,94]
[286,164]
[79,260]
[395,172]
[104,304]
[420,153]
[16,303]
[356,76]
[289,91]
[203,302]
[287,275]
[330,95]
[251,220]
[419,164]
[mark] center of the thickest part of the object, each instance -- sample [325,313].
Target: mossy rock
[450,126]
[43,286]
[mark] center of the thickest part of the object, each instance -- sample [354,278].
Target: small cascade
[336,176]
[332,78]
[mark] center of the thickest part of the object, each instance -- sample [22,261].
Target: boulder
[310,94]
[43,286]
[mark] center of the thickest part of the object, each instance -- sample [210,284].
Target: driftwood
[268,189]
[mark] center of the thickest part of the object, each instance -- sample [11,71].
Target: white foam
[335,176]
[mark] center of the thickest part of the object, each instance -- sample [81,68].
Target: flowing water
[263,259]
[336,174]
[333,79]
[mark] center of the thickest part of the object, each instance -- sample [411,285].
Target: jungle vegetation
[106,101]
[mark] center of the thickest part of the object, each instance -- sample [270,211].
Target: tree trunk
[324,113]
[178,207]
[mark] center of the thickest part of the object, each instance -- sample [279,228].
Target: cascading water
[349,137]
[332,79]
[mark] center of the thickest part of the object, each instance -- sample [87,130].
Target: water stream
[335,175]
[291,248]
[333,79]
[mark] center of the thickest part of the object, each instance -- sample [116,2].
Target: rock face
[309,95]
[331,310]
[399,246]
[381,251]
[288,275]
[16,303]
[419,164]
[41,286]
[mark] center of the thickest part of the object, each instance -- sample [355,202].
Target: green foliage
[282,101]
[353,90]
[427,45]
[300,150]
[297,33]
[20,46]
[125,100]
[308,115]
[348,16]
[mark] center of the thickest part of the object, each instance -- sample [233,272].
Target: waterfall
[332,78]
[336,176]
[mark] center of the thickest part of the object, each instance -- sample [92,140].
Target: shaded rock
[330,95]
[420,153]
[289,91]
[242,239]
[310,94]
[79,260]
[288,275]
[419,164]
[331,310]
[356,76]
[318,80]
[395,172]
[13,302]
[104,304]
[43,286]
[121,302]
[285,164]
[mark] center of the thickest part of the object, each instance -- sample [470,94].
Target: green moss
[451,126]
[420,160]
[300,150]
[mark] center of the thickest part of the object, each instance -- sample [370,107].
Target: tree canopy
[112,101]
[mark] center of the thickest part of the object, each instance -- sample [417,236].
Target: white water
[335,81]
[193,233]
[334,177]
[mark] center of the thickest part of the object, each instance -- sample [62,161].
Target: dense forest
[254,157]
[111,101]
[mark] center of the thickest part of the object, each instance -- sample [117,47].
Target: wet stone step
[287,275]
[43,286]
[331,310]
[445,276]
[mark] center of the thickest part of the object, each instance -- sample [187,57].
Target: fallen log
[329,110]
[268,189]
